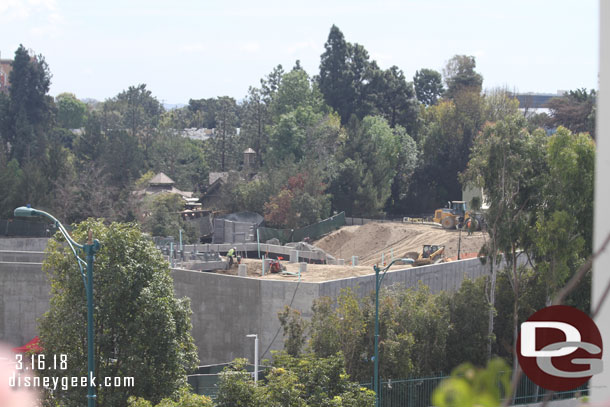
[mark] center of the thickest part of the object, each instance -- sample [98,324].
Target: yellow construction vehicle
[455,215]
[431,253]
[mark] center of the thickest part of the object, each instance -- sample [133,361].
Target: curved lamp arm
[384,271]
[24,211]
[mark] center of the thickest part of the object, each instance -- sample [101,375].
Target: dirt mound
[393,240]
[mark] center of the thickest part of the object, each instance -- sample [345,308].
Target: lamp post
[90,248]
[378,282]
[255,336]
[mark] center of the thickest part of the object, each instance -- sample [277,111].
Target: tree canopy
[141,329]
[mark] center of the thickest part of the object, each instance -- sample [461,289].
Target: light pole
[255,336]
[90,248]
[378,282]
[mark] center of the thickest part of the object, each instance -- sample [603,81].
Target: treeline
[354,138]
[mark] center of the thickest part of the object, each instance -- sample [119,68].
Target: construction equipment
[431,254]
[276,267]
[457,215]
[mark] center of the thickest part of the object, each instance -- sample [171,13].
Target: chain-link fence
[312,232]
[418,392]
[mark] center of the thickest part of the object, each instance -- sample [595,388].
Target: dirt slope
[369,241]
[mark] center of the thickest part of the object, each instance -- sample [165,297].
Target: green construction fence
[313,232]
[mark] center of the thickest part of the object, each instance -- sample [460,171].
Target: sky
[199,49]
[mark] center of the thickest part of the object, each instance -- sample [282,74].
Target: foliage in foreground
[469,386]
[186,399]
[298,382]
[141,329]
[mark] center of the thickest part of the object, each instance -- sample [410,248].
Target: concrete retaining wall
[439,277]
[21,256]
[29,244]
[24,297]
[225,308]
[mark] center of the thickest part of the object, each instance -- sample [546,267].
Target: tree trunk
[515,315]
[492,301]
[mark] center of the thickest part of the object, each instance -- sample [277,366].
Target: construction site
[247,273]
[350,251]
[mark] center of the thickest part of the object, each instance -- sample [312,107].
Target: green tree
[135,111]
[366,164]
[507,162]
[271,84]
[225,131]
[460,75]
[29,108]
[393,98]
[282,389]
[294,330]
[182,159]
[335,80]
[186,399]
[407,163]
[324,380]
[89,146]
[468,310]
[139,326]
[163,218]
[302,125]
[71,112]
[296,91]
[11,178]
[301,202]
[414,326]
[564,226]
[445,139]
[202,113]
[428,86]
[574,110]
[469,386]
[236,387]
[255,122]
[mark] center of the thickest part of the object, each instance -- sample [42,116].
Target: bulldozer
[431,254]
[456,214]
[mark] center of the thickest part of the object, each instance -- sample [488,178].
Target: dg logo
[560,348]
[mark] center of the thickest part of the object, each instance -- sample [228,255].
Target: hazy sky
[196,49]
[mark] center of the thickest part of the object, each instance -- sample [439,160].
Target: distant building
[469,192]
[202,133]
[212,199]
[536,102]
[198,134]
[6,66]
[162,184]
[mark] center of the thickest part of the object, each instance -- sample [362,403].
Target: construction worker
[471,225]
[231,254]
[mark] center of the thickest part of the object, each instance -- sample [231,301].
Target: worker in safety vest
[471,225]
[231,255]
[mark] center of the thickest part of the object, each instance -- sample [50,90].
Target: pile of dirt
[369,242]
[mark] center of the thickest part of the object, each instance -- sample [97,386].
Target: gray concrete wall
[225,308]
[24,297]
[28,244]
[439,277]
[21,256]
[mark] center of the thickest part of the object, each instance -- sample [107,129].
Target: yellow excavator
[455,215]
[431,254]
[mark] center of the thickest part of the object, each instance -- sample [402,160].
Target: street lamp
[255,336]
[90,248]
[378,282]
